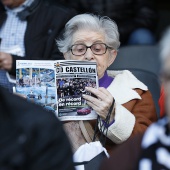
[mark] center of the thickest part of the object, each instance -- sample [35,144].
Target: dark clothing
[148,150]
[129,15]
[124,156]
[31,138]
[45,23]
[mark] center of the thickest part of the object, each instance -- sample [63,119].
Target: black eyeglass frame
[106,47]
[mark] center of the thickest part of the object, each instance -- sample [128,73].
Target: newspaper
[58,86]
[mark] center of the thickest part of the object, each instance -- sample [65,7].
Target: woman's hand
[5,61]
[101,103]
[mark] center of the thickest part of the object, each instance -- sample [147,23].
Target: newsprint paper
[58,86]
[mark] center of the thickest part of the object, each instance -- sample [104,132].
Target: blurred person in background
[28,29]
[31,138]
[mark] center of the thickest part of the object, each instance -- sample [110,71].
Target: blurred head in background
[165,59]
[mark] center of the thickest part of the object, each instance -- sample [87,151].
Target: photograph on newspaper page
[35,81]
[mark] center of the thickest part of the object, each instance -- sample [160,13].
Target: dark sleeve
[124,156]
[49,148]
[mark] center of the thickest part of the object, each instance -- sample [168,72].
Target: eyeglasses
[97,49]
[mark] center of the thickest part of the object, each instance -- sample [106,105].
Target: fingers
[5,61]
[101,94]
[101,103]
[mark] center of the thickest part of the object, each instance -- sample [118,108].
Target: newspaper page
[35,81]
[72,76]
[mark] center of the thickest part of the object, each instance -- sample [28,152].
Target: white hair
[165,45]
[89,22]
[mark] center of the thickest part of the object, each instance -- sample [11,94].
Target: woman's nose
[89,55]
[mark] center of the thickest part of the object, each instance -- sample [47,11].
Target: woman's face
[88,38]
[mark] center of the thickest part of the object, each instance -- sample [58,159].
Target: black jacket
[30,137]
[128,14]
[45,23]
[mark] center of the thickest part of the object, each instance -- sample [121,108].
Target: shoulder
[123,86]
[123,74]
[126,78]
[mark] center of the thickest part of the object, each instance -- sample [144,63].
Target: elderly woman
[92,38]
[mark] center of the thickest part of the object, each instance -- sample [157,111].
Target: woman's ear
[66,56]
[112,57]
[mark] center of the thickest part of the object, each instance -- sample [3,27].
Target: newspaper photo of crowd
[69,92]
[73,87]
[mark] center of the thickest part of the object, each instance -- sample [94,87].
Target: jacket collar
[123,85]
